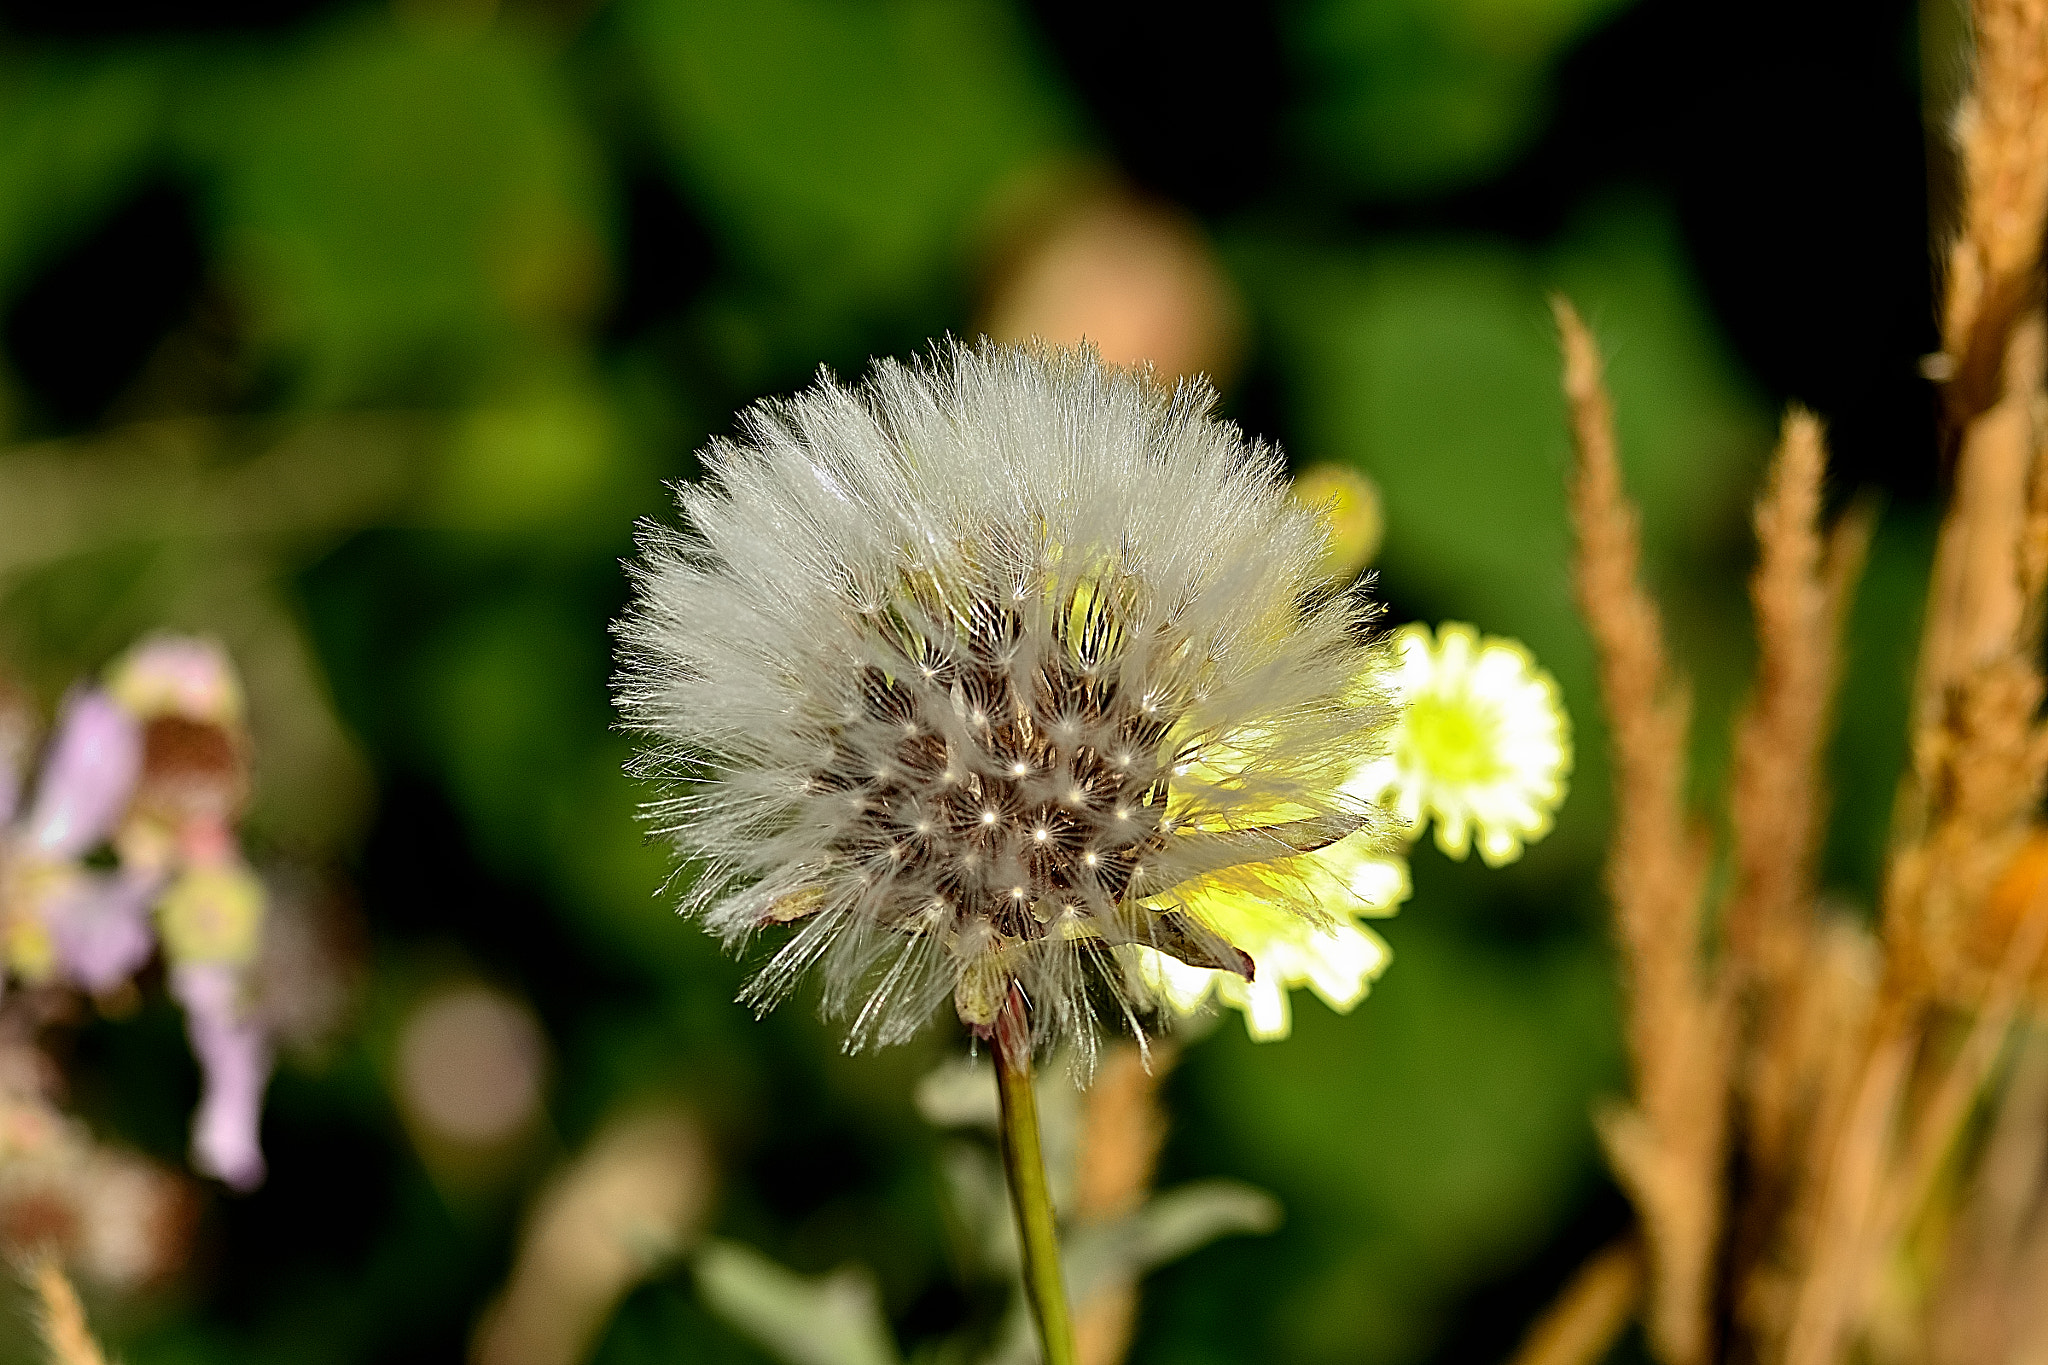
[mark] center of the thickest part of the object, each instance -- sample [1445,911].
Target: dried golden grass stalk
[1669,1147]
[1976,603]
[1978,753]
[1939,1120]
[1838,1242]
[2009,1215]
[1121,1132]
[1852,1114]
[2003,140]
[67,1340]
[1963,812]
[1978,756]
[2026,1304]
[2008,906]
[2033,548]
[1981,1311]
[1581,1326]
[1104,1325]
[1800,979]
[1825,1024]
[1800,591]
[1775,803]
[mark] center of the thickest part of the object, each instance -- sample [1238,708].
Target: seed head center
[1013,796]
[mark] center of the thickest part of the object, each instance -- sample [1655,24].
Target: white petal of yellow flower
[1482,745]
[1338,960]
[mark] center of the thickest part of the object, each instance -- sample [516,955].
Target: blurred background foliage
[359,334]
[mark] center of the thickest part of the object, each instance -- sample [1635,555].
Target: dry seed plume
[1775,808]
[1799,593]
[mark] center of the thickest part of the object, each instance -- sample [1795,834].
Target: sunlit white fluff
[982,669]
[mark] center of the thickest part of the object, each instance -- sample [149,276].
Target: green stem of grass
[1024,1167]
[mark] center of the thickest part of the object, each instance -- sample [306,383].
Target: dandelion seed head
[976,672]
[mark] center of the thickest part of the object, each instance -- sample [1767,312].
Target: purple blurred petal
[234,1057]
[102,930]
[88,776]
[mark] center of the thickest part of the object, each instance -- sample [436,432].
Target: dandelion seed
[1482,744]
[1067,580]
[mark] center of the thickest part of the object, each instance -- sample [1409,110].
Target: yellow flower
[1350,503]
[1481,743]
[1338,959]
[30,951]
[27,885]
[212,914]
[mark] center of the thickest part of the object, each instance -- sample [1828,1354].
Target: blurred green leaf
[1171,1225]
[539,453]
[1189,1217]
[1432,365]
[73,135]
[846,150]
[1417,1144]
[1417,96]
[834,1319]
[400,206]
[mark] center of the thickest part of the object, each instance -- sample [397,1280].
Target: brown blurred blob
[314,959]
[634,1199]
[470,1067]
[118,1218]
[1136,278]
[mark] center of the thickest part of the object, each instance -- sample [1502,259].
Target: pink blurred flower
[235,1059]
[100,928]
[89,774]
[178,675]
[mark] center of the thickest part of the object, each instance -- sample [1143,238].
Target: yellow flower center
[212,915]
[1453,740]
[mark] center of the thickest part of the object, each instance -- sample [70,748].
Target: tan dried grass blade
[67,1340]
[1668,1146]
[1581,1326]
[2002,139]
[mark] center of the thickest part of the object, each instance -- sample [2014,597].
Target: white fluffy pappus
[973,672]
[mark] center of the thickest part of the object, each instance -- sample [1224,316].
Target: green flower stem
[1024,1165]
